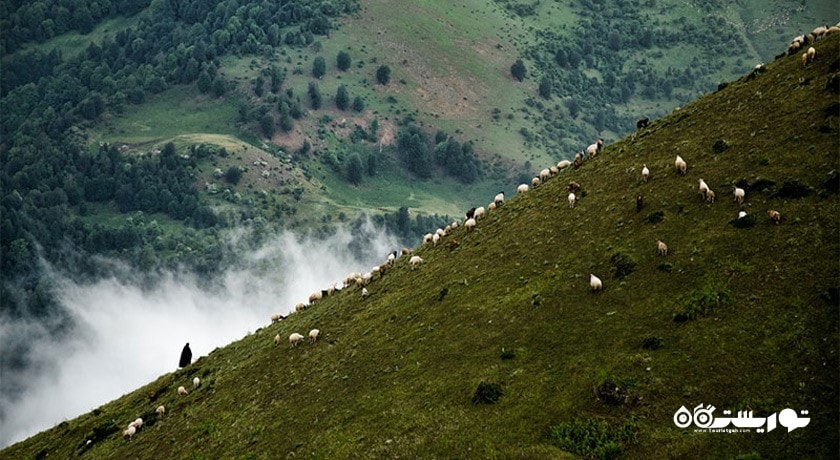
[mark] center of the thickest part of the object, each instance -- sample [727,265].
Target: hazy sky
[128,335]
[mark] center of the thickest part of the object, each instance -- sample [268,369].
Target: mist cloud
[127,335]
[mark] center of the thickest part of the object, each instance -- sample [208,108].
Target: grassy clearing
[73,43]
[395,374]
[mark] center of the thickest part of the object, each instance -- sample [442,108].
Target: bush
[594,439]
[487,393]
[233,174]
[623,265]
[342,61]
[652,343]
[383,74]
[703,301]
[655,217]
[518,70]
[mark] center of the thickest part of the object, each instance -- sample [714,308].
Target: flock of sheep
[804,40]
[135,426]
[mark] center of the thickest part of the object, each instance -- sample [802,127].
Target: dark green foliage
[383,74]
[413,149]
[358,104]
[793,189]
[652,343]
[233,175]
[518,70]
[747,221]
[593,438]
[487,393]
[655,217]
[371,164]
[442,294]
[343,61]
[545,88]
[342,98]
[204,83]
[720,146]
[219,87]
[458,159]
[507,354]
[665,267]
[703,300]
[355,169]
[614,393]
[319,67]
[315,99]
[622,265]
[267,125]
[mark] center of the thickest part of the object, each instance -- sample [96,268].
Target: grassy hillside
[394,375]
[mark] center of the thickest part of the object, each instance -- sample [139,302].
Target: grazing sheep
[811,53]
[416,260]
[499,199]
[702,188]
[427,238]
[277,340]
[522,188]
[573,187]
[196,382]
[160,410]
[299,307]
[680,165]
[470,213]
[572,199]
[313,335]
[595,148]
[643,123]
[640,203]
[774,216]
[455,224]
[563,164]
[470,224]
[392,257]
[535,181]
[295,339]
[491,207]
[315,296]
[365,293]
[544,175]
[662,248]
[276,317]
[554,170]
[435,239]
[479,212]
[739,195]
[578,160]
[405,251]
[454,245]
[440,232]
[129,432]
[645,173]
[182,391]
[710,196]
[595,283]
[137,423]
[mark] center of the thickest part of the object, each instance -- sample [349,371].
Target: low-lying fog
[127,335]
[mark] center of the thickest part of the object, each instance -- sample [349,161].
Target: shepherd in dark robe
[186,356]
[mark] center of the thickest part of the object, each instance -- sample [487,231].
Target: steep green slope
[394,375]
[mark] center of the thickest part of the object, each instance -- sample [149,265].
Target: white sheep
[595,148]
[365,293]
[572,199]
[315,296]
[137,423]
[276,317]
[440,232]
[299,307]
[415,261]
[182,391]
[645,172]
[775,216]
[499,198]
[522,188]
[295,339]
[491,207]
[702,187]
[160,410]
[470,224]
[742,214]
[811,53]
[595,283]
[196,382]
[563,164]
[313,335]
[535,182]
[435,239]
[479,212]
[392,257]
[277,340]
[427,238]
[662,248]
[739,195]
[544,175]
[554,170]
[680,165]
[129,432]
